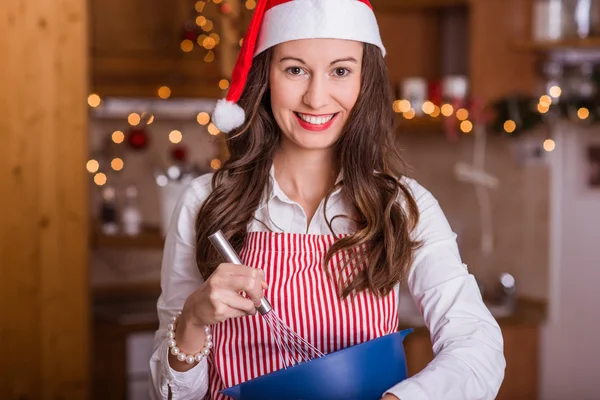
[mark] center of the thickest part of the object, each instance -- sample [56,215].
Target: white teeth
[316,120]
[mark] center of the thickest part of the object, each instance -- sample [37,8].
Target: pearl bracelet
[181,356]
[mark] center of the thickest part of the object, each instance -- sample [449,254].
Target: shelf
[558,45]
[149,238]
[420,124]
[412,5]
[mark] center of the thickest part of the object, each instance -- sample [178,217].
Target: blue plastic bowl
[363,371]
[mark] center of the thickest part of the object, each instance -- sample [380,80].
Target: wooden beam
[44,304]
[411,5]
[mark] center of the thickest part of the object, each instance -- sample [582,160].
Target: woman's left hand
[389,397]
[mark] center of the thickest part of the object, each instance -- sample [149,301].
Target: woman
[313,175]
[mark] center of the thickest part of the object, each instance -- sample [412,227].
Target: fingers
[252,286]
[238,305]
[243,278]
[242,270]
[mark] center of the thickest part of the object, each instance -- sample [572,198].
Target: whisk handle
[228,253]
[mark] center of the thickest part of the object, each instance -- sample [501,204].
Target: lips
[315,122]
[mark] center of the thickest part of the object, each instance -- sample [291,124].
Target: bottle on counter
[131,218]
[108,211]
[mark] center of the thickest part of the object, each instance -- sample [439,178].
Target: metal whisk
[293,349]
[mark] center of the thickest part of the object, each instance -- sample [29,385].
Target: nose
[316,95]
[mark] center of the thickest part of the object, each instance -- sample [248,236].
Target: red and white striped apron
[305,298]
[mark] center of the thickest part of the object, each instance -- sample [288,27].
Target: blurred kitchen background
[106,116]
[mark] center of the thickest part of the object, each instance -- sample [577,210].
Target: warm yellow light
[583,113]
[209,57]
[241,42]
[187,45]
[546,100]
[134,119]
[217,1]
[200,6]
[117,164]
[209,43]
[555,91]
[401,106]
[436,112]
[207,27]
[549,145]
[100,179]
[223,84]
[92,166]
[213,130]
[447,110]
[542,108]
[150,120]
[118,137]
[215,164]
[250,4]
[94,100]
[201,40]
[215,37]
[175,136]
[510,126]
[462,114]
[201,20]
[203,118]
[466,126]
[164,92]
[410,114]
[428,107]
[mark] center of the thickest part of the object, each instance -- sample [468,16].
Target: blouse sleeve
[179,278]
[469,361]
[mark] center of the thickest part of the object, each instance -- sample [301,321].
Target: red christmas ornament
[179,153]
[138,139]
[190,35]
[226,8]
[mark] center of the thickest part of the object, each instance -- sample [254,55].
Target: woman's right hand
[219,298]
[216,300]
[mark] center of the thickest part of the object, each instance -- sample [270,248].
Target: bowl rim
[402,333]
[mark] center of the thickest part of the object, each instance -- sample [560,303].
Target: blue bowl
[363,371]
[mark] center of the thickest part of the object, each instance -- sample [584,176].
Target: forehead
[319,50]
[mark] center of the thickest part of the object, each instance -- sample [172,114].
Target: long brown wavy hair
[379,253]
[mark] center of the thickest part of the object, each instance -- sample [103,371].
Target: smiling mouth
[314,120]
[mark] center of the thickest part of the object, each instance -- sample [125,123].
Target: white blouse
[467,342]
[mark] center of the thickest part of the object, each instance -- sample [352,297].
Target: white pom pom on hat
[279,21]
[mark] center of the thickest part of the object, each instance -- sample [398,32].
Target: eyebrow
[350,59]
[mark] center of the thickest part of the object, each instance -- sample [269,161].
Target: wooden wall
[44,305]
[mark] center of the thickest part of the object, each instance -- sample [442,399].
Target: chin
[315,140]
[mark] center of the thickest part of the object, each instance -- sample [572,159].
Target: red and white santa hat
[278,21]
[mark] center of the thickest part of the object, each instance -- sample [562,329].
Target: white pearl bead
[209,338]
[170,334]
[199,357]
[205,352]
[172,343]
[209,345]
[207,329]
[175,350]
[181,356]
[170,327]
[190,359]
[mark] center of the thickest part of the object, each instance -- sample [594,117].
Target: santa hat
[278,21]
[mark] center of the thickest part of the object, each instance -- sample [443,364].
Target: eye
[294,70]
[341,72]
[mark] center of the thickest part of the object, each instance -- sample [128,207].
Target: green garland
[523,110]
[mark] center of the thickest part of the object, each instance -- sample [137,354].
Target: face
[314,86]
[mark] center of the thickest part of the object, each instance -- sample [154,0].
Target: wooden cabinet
[521,340]
[416,34]
[135,48]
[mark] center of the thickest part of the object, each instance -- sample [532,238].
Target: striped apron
[305,299]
